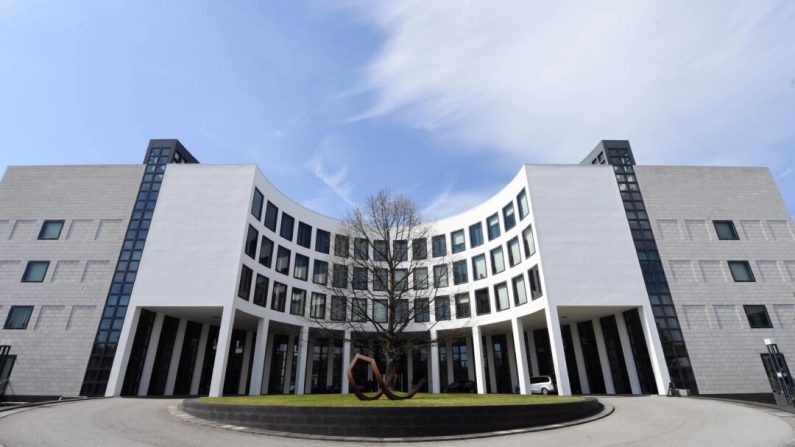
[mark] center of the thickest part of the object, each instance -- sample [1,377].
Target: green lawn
[419,400]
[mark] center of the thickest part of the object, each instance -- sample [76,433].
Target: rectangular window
[361,249]
[339,276]
[497,261]
[261,291]
[244,288]
[460,272]
[35,271]
[359,310]
[457,241]
[283,261]
[322,241]
[297,301]
[271,214]
[519,290]
[317,308]
[304,235]
[420,278]
[422,313]
[757,316]
[18,317]
[440,276]
[462,307]
[359,278]
[380,279]
[524,208]
[419,249]
[482,302]
[475,235]
[301,267]
[251,242]
[442,307]
[529,241]
[514,253]
[51,229]
[508,218]
[266,252]
[278,296]
[501,294]
[338,308]
[535,283]
[380,309]
[725,230]
[256,204]
[286,230]
[401,249]
[401,310]
[479,267]
[320,272]
[741,271]
[401,279]
[341,248]
[493,224]
[380,251]
[438,246]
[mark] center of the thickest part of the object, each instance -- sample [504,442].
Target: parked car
[542,384]
[462,387]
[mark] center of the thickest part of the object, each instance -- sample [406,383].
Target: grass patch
[419,400]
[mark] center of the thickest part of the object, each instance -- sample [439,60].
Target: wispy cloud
[333,172]
[449,202]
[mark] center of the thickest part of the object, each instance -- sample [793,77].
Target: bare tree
[381,278]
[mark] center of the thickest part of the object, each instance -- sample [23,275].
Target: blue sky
[440,100]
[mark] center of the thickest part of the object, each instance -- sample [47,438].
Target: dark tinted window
[475,235]
[442,305]
[341,248]
[508,216]
[304,235]
[725,230]
[439,246]
[757,316]
[266,252]
[256,204]
[286,230]
[261,290]
[244,288]
[741,271]
[301,267]
[419,249]
[251,242]
[51,229]
[457,241]
[35,271]
[482,302]
[271,214]
[18,317]
[493,223]
[322,240]
[283,261]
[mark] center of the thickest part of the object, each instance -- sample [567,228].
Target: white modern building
[176,278]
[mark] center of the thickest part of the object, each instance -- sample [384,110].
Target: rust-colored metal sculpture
[384,386]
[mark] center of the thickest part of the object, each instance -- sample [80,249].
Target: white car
[542,384]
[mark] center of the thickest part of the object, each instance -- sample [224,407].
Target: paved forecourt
[649,421]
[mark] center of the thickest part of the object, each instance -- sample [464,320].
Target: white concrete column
[346,360]
[579,359]
[303,347]
[266,374]
[176,353]
[558,354]
[222,351]
[449,361]
[199,364]
[509,354]
[119,368]
[519,351]
[656,354]
[151,353]
[533,354]
[435,374]
[477,357]
[241,386]
[629,357]
[610,388]
[490,362]
[257,366]
[288,365]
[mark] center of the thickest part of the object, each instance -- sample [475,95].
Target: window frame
[493,228]
[508,216]
[476,235]
[748,316]
[322,241]
[316,297]
[28,267]
[459,305]
[495,254]
[279,256]
[457,248]
[11,310]
[286,226]
[748,270]
[460,276]
[441,306]
[304,235]
[257,203]
[297,269]
[439,246]
[271,216]
[44,227]
[735,236]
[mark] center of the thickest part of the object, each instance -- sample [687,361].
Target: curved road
[648,421]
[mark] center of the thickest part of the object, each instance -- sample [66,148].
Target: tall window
[440,276]
[35,271]
[271,214]
[438,246]
[741,271]
[460,272]
[401,309]
[341,248]
[493,222]
[361,249]
[283,260]
[380,311]
[380,251]
[338,308]
[419,249]
[479,267]
[725,230]
[380,279]
[261,291]
[256,204]
[359,310]
[519,290]
[497,261]
[244,288]
[462,306]
[339,276]
[360,278]
[422,312]
[442,305]
[501,295]
[286,230]
[251,242]
[401,250]
[508,217]
[529,241]
[535,283]
[524,208]
[18,317]
[301,268]
[266,252]
[320,272]
[278,296]
[401,279]
[420,278]
[304,235]
[457,241]
[297,302]
[317,308]
[757,316]
[482,302]
[514,253]
[51,229]
[322,240]
[475,235]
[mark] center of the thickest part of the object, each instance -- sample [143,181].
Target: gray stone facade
[682,203]
[95,202]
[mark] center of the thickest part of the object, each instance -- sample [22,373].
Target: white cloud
[544,81]
[327,166]
[449,202]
